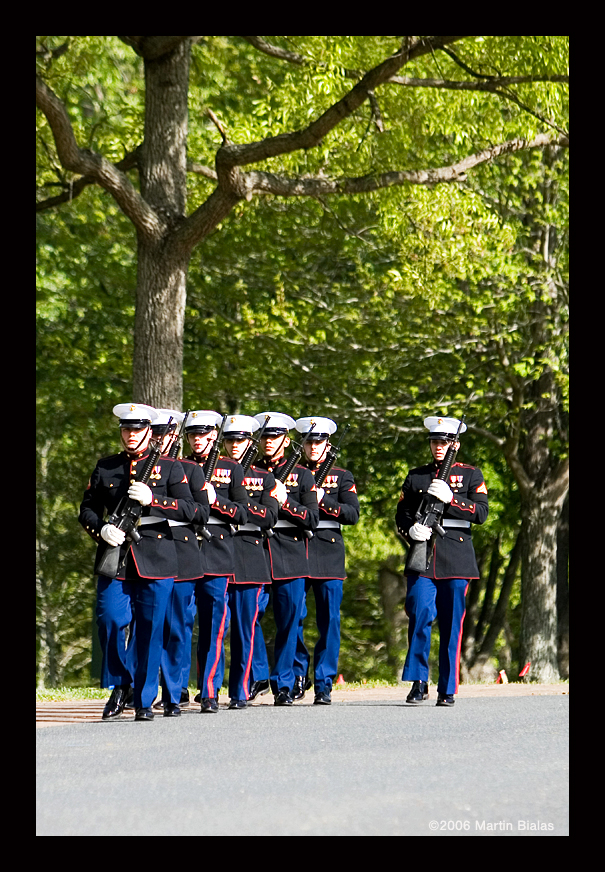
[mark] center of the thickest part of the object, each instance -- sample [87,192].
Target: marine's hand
[112,535]
[279,492]
[420,533]
[211,493]
[320,494]
[140,492]
[441,490]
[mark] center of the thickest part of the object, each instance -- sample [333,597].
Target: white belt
[178,523]
[248,528]
[451,523]
[323,524]
[149,520]
[216,521]
[283,524]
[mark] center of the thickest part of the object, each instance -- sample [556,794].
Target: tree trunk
[539,590]
[162,266]
[563,590]
[159,326]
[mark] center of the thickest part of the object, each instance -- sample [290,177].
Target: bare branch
[93,165]
[491,85]
[270,183]
[201,170]
[274,50]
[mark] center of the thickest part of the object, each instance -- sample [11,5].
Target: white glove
[211,493]
[320,494]
[420,533]
[280,493]
[112,535]
[141,492]
[441,490]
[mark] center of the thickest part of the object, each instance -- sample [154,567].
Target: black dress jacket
[454,555]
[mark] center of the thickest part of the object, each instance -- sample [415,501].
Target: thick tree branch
[86,162]
[240,155]
[74,188]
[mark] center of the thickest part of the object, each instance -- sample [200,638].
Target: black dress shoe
[301,684]
[197,697]
[418,693]
[283,697]
[238,704]
[446,699]
[259,688]
[129,704]
[209,705]
[144,714]
[322,697]
[116,702]
[171,710]
[184,700]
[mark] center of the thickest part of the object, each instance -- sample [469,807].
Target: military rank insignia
[292,480]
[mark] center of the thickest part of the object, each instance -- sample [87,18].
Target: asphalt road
[362,768]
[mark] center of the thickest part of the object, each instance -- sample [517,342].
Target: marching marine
[228,499]
[439,591]
[338,504]
[251,561]
[287,547]
[144,577]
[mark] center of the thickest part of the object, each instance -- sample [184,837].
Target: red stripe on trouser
[249,663]
[459,645]
[219,643]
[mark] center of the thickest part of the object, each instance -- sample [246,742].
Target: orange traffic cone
[340,679]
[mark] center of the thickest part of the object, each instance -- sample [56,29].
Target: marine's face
[202,442]
[439,448]
[316,451]
[236,448]
[135,441]
[274,446]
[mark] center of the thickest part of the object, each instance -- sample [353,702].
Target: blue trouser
[328,599]
[243,605]
[288,598]
[117,603]
[426,600]
[178,627]
[213,621]
[259,670]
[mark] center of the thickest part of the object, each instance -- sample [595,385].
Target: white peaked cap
[164,415]
[135,412]
[446,427]
[240,424]
[277,421]
[203,418]
[324,427]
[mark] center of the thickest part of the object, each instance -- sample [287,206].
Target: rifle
[174,448]
[285,471]
[211,460]
[126,517]
[430,513]
[329,460]
[252,450]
